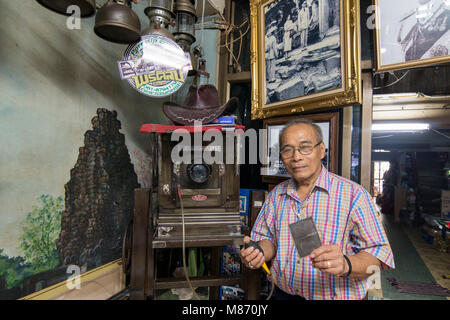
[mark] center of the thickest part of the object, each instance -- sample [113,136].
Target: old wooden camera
[202,196]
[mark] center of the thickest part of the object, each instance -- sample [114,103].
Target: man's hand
[251,257]
[329,259]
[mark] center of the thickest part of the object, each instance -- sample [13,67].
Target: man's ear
[322,150]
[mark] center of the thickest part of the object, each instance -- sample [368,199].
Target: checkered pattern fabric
[344,214]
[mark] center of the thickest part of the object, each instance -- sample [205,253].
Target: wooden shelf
[207,281]
[198,242]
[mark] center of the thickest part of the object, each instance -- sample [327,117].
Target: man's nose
[297,155]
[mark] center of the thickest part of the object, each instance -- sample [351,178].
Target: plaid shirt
[344,214]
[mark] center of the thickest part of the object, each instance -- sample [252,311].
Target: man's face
[301,167]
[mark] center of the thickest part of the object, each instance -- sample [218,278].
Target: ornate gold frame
[401,65]
[348,94]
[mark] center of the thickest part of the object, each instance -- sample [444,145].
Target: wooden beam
[366,132]
[366,65]
[140,240]
[346,160]
[239,77]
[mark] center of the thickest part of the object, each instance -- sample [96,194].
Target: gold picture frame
[269,102]
[409,35]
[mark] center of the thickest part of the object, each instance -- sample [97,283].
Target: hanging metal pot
[87,7]
[117,22]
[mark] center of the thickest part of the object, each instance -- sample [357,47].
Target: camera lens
[199,173]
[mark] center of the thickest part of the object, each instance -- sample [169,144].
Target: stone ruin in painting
[98,197]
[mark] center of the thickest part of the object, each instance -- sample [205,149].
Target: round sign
[156,66]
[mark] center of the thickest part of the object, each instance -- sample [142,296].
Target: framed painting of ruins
[411,33]
[305,55]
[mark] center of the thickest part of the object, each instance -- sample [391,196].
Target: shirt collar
[322,182]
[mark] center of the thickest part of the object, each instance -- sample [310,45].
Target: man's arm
[368,240]
[362,263]
[330,259]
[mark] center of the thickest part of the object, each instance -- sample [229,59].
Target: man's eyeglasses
[288,151]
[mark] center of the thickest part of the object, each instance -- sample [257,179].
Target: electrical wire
[273,287]
[231,27]
[391,84]
[203,22]
[442,134]
[186,273]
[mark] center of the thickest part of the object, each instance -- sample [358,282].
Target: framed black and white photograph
[307,55]
[411,33]
[275,171]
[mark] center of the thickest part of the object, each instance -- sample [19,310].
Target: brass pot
[87,7]
[117,22]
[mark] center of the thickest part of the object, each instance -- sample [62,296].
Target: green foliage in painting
[38,242]
[14,270]
[40,232]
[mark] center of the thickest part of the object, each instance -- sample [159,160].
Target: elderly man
[354,243]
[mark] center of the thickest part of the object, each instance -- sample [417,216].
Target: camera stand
[143,279]
[191,205]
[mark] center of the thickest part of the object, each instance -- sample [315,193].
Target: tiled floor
[437,262]
[415,259]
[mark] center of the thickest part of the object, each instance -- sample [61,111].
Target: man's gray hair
[291,123]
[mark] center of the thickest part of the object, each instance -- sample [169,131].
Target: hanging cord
[231,28]
[228,29]
[186,273]
[273,287]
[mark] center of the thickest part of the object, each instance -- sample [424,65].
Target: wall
[209,41]
[53,80]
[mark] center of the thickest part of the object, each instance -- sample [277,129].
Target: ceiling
[434,110]
[431,140]
[412,107]
[213,6]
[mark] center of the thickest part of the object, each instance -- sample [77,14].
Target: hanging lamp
[161,15]
[185,27]
[117,22]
